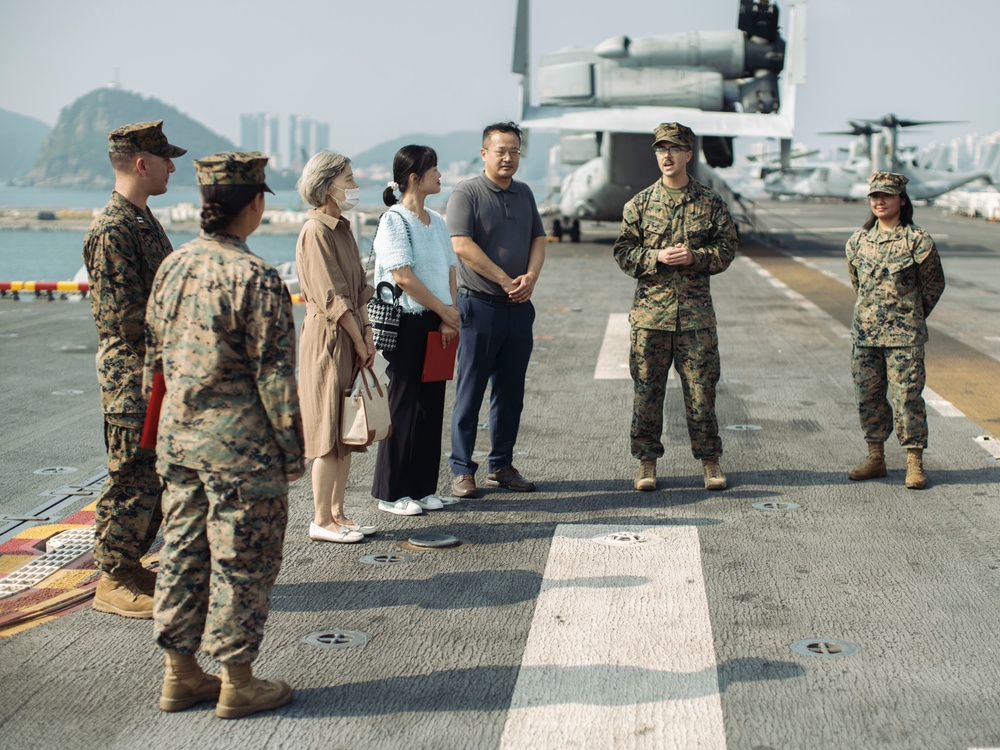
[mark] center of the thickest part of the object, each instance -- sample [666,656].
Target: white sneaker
[344,535]
[402,507]
[431,502]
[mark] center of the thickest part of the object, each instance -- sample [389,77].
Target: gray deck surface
[911,578]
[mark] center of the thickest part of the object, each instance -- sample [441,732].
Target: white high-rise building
[305,137]
[260,132]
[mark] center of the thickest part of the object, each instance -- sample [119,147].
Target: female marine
[219,327]
[897,275]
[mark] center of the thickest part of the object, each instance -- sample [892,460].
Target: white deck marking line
[989,444]
[938,404]
[620,651]
[612,361]
[839,278]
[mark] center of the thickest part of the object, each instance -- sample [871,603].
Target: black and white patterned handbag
[384,315]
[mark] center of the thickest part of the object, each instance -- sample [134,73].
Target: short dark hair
[220,204]
[501,127]
[122,160]
[409,160]
[905,213]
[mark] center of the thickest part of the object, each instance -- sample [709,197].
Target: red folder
[439,363]
[149,427]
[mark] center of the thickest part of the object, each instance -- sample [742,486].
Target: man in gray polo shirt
[498,236]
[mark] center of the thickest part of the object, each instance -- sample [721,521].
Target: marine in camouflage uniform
[122,250]
[675,234]
[897,275]
[220,329]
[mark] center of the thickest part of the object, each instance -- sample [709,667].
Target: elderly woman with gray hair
[336,335]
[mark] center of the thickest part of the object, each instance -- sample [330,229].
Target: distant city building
[305,137]
[259,132]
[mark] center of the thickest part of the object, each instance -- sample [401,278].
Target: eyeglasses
[514,153]
[672,150]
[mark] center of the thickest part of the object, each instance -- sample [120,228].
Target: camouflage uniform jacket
[220,327]
[675,298]
[898,278]
[122,250]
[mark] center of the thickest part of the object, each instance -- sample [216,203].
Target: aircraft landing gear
[566,226]
[557,229]
[574,231]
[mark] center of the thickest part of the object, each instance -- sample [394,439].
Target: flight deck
[796,609]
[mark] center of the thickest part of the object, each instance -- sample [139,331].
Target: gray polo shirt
[502,222]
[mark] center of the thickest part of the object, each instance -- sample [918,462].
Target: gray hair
[314,183]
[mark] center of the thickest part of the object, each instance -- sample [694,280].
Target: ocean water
[52,255]
[37,198]
[31,197]
[27,255]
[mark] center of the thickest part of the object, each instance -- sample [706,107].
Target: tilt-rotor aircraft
[605,101]
[881,153]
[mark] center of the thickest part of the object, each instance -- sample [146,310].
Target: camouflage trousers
[222,548]
[128,508]
[695,357]
[898,371]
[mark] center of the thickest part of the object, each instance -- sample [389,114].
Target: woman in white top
[413,251]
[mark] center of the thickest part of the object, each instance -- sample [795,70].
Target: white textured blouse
[426,250]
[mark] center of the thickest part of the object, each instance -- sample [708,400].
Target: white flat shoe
[344,536]
[431,502]
[366,530]
[402,507]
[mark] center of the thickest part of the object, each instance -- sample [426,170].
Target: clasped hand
[521,288]
[678,255]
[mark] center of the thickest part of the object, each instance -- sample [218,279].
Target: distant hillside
[21,139]
[463,146]
[75,154]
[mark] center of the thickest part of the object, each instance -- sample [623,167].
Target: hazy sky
[375,69]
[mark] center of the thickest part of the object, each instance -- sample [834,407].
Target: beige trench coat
[333,281]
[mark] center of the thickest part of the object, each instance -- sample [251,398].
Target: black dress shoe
[511,478]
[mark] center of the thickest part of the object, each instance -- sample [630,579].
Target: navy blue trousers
[494,347]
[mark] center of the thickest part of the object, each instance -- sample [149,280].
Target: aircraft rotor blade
[891,121]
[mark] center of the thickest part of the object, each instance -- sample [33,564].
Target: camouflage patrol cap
[142,136]
[232,168]
[674,132]
[889,183]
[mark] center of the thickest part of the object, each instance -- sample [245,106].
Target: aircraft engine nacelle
[712,71]
[578,148]
[721,51]
[879,156]
[591,84]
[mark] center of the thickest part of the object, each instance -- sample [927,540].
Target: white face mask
[351,198]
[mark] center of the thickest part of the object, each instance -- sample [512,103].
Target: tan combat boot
[184,683]
[714,478]
[118,594]
[243,694]
[871,467]
[645,478]
[915,477]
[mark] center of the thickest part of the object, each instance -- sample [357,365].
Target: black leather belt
[497,299]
